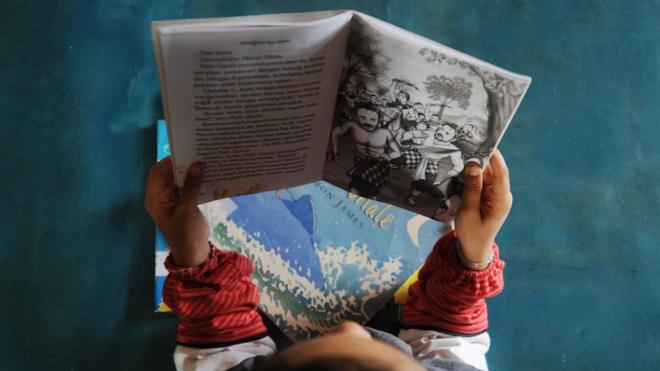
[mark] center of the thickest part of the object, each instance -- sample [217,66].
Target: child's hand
[176,214]
[486,203]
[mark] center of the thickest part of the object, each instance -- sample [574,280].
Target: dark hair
[370,107]
[460,133]
[322,364]
[404,93]
[450,124]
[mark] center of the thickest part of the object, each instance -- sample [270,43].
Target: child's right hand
[486,203]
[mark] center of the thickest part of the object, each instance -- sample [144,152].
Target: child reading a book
[444,320]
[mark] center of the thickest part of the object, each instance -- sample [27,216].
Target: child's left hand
[176,214]
[486,203]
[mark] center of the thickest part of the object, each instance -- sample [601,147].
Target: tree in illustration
[503,94]
[364,55]
[447,90]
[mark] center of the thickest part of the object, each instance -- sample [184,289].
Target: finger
[488,175]
[500,172]
[160,192]
[160,177]
[472,189]
[192,184]
[162,167]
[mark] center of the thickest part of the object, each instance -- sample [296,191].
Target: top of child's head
[348,348]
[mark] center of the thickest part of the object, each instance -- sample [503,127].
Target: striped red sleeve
[450,297]
[216,302]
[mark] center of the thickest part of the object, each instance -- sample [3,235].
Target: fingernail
[473,160]
[473,169]
[196,169]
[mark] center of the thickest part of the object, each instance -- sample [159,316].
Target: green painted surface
[80,98]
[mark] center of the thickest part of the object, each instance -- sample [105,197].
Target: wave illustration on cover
[310,282]
[290,235]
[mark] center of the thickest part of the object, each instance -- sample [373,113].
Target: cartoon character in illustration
[399,114]
[346,100]
[437,144]
[375,147]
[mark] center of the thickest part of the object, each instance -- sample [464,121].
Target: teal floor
[80,97]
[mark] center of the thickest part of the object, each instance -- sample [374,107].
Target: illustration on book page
[410,114]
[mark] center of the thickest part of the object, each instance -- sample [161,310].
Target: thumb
[192,184]
[473,183]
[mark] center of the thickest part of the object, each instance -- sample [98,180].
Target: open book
[274,101]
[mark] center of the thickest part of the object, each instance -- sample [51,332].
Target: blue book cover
[321,255]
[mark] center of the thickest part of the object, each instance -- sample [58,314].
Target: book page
[250,97]
[410,114]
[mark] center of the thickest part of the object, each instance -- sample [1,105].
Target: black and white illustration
[409,116]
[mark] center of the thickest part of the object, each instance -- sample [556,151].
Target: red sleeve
[449,296]
[216,302]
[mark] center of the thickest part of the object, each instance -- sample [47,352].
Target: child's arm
[209,289]
[461,272]
[176,213]
[450,296]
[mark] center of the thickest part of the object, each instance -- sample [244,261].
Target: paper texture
[250,101]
